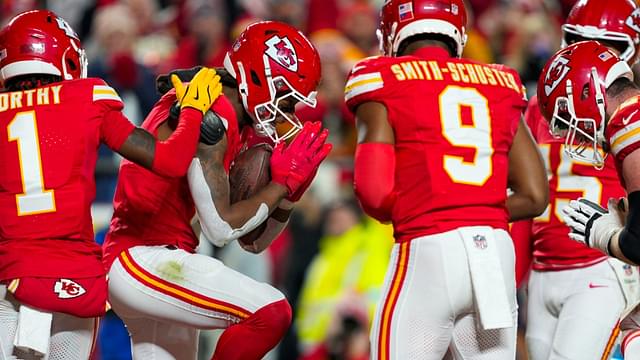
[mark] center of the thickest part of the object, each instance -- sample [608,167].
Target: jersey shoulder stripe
[363,83]
[624,137]
[105,92]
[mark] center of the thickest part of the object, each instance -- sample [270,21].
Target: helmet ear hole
[585,92]
[255,78]
[72,65]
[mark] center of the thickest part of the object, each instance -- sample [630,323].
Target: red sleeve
[115,129]
[173,156]
[366,83]
[521,235]
[623,129]
[374,180]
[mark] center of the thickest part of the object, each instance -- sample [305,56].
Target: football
[249,173]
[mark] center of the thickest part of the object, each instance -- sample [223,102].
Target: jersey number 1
[35,199]
[476,136]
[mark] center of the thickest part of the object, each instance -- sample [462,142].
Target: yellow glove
[202,91]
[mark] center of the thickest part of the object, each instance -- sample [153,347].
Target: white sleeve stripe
[364,77]
[102,88]
[359,90]
[114,97]
[625,130]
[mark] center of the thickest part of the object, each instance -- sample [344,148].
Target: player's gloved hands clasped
[202,91]
[295,165]
[591,224]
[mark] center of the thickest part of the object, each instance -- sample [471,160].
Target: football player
[52,120]
[441,138]
[588,95]
[162,290]
[566,275]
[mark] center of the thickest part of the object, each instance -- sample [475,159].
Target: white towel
[487,279]
[629,280]
[34,330]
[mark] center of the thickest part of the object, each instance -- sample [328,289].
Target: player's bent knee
[276,317]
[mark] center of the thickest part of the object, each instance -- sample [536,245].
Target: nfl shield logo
[480,241]
[405,11]
[627,269]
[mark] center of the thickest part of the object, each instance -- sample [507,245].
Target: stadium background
[331,260]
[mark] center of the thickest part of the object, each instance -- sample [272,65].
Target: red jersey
[153,210]
[623,131]
[454,121]
[568,180]
[49,139]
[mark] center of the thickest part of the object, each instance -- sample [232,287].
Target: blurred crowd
[331,260]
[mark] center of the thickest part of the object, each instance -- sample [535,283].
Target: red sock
[253,337]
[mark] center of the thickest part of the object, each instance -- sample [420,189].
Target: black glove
[163,82]
[212,127]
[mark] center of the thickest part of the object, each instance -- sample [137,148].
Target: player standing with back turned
[440,141]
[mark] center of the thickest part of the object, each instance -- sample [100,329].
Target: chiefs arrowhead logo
[282,51]
[558,70]
[633,21]
[68,289]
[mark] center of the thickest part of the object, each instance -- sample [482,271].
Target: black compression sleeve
[629,240]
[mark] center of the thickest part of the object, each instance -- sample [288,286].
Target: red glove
[294,166]
[298,194]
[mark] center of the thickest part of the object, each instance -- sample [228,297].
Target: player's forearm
[625,243]
[173,156]
[275,225]
[524,206]
[616,252]
[221,222]
[527,177]
[374,179]
[271,196]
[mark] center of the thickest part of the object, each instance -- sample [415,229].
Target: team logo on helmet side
[282,51]
[558,70]
[633,21]
[64,26]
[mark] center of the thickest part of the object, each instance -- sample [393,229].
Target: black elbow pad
[629,240]
[212,128]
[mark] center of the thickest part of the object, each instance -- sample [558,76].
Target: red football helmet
[401,19]
[273,61]
[613,20]
[571,96]
[40,42]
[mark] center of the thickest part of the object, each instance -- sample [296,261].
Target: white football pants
[573,314]
[428,303]
[72,338]
[164,295]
